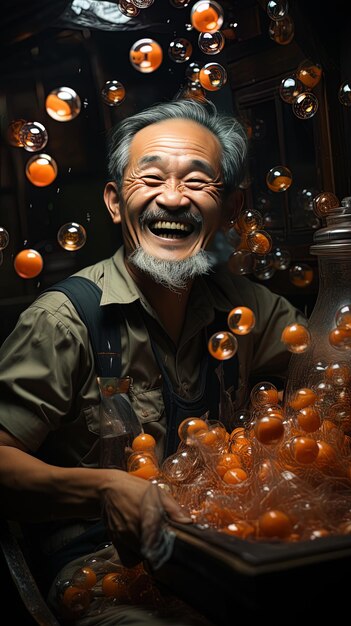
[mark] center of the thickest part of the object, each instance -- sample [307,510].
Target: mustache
[155,215]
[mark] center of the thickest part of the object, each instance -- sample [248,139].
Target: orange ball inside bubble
[296,338]
[28,263]
[241,320]
[41,170]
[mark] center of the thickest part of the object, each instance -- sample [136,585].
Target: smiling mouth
[171,230]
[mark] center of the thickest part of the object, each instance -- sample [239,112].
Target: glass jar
[325,367]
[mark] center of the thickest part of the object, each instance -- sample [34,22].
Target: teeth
[172,226]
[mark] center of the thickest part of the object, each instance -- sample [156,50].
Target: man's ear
[232,205]
[112,201]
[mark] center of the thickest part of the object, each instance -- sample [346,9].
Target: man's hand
[135,512]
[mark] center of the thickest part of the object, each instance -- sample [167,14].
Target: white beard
[172,274]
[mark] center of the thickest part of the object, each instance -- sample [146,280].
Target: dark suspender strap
[103,322]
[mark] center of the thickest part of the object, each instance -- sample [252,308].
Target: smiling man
[175,171]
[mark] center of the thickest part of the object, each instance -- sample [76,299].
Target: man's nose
[172,196]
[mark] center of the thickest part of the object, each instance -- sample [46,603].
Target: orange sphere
[76,600]
[302,398]
[28,263]
[274,523]
[143,442]
[305,450]
[113,586]
[84,578]
[190,426]
[241,320]
[227,461]
[234,476]
[296,337]
[148,471]
[309,419]
[340,338]
[269,430]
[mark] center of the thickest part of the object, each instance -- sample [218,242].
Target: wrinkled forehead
[183,139]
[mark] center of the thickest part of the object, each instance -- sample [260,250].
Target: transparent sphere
[305,198]
[277,9]
[180,50]
[281,258]
[71,236]
[63,104]
[28,263]
[113,93]
[290,88]
[259,242]
[206,16]
[33,136]
[222,345]
[179,4]
[241,320]
[192,90]
[146,55]
[305,105]
[179,466]
[279,178]
[296,337]
[143,4]
[301,274]
[344,93]
[263,267]
[309,73]
[249,220]
[190,426]
[213,76]
[263,394]
[282,31]
[324,203]
[192,72]
[13,133]
[128,8]
[211,43]
[4,238]
[240,262]
[338,373]
[41,170]
[342,316]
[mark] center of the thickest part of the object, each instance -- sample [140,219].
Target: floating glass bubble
[305,105]
[301,274]
[71,236]
[180,50]
[290,88]
[13,133]
[33,136]
[213,76]
[240,262]
[263,394]
[309,73]
[206,16]
[241,320]
[179,4]
[344,93]
[192,90]
[342,316]
[277,9]
[249,220]
[63,104]
[211,43]
[281,258]
[263,202]
[324,203]
[146,55]
[279,178]
[41,170]
[296,337]
[28,263]
[305,198]
[223,345]
[113,93]
[259,242]
[143,4]
[263,267]
[128,8]
[4,238]
[192,72]
[282,32]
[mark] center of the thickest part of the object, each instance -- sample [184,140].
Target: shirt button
[145,413]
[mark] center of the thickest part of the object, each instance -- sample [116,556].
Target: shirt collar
[118,286]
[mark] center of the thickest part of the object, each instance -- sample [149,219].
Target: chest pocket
[148,404]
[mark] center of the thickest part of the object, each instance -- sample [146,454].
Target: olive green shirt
[48,391]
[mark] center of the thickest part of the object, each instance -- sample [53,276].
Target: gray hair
[228,130]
